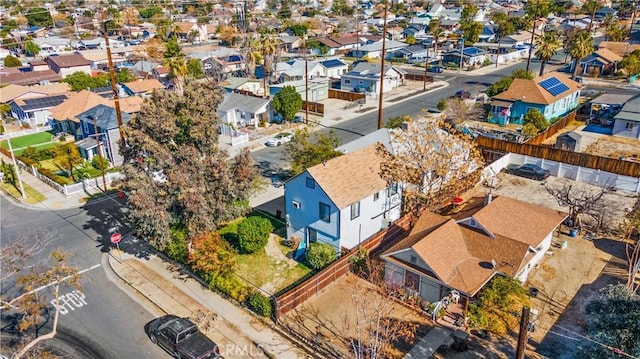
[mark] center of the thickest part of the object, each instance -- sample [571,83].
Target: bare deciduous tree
[631,227]
[458,111]
[580,202]
[433,161]
[29,305]
[14,257]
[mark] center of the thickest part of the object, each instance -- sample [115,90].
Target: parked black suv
[181,338]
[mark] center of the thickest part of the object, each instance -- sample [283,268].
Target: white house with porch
[240,110]
[441,254]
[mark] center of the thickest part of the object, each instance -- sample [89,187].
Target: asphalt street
[349,130]
[98,321]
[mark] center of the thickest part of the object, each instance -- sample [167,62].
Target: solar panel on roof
[554,86]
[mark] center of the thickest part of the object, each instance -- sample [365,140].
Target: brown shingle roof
[522,221]
[619,47]
[144,85]
[29,78]
[461,256]
[608,55]
[130,104]
[530,91]
[351,177]
[76,104]
[12,91]
[68,61]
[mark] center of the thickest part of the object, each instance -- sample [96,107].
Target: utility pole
[426,69]
[461,56]
[102,158]
[522,335]
[112,75]
[633,16]
[306,82]
[16,169]
[382,54]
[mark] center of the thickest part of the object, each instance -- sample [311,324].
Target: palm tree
[177,67]
[437,31]
[252,46]
[535,10]
[580,46]
[269,50]
[548,45]
[505,27]
[591,7]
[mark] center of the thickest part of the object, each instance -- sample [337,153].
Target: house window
[355,210]
[347,81]
[325,214]
[411,280]
[311,183]
[376,196]
[628,125]
[360,82]
[391,190]
[313,235]
[413,259]
[295,204]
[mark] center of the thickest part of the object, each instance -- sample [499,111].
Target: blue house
[553,95]
[627,121]
[470,56]
[365,77]
[341,202]
[102,120]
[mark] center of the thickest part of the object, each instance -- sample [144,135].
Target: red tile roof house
[442,254]
[68,64]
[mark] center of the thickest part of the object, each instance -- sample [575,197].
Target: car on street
[279,139]
[436,69]
[529,170]
[462,94]
[181,338]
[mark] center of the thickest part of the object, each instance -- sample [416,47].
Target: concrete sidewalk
[239,334]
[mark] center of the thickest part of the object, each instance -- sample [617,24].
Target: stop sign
[116,238]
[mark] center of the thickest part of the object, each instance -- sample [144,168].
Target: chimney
[487,198]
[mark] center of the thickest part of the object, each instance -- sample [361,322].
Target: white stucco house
[333,68]
[441,254]
[365,77]
[240,110]
[341,202]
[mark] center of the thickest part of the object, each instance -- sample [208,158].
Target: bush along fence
[50,178]
[289,300]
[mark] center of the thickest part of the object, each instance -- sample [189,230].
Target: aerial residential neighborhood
[320,179]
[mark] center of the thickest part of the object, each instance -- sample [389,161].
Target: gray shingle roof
[242,102]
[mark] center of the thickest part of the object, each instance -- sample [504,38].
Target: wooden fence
[314,107]
[553,129]
[418,77]
[289,300]
[345,95]
[606,164]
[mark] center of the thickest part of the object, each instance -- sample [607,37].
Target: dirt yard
[566,280]
[612,146]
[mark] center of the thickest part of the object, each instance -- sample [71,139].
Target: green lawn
[258,268]
[29,140]
[32,196]
[39,147]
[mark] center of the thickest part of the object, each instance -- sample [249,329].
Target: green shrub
[177,249]
[260,304]
[320,255]
[231,286]
[442,105]
[96,160]
[486,62]
[253,233]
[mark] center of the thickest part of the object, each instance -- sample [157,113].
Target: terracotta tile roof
[608,55]
[525,222]
[530,91]
[144,86]
[619,47]
[76,104]
[68,60]
[351,177]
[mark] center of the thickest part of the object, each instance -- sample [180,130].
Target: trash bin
[565,244]
[533,291]
[573,232]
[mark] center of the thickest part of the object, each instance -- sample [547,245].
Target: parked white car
[279,139]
